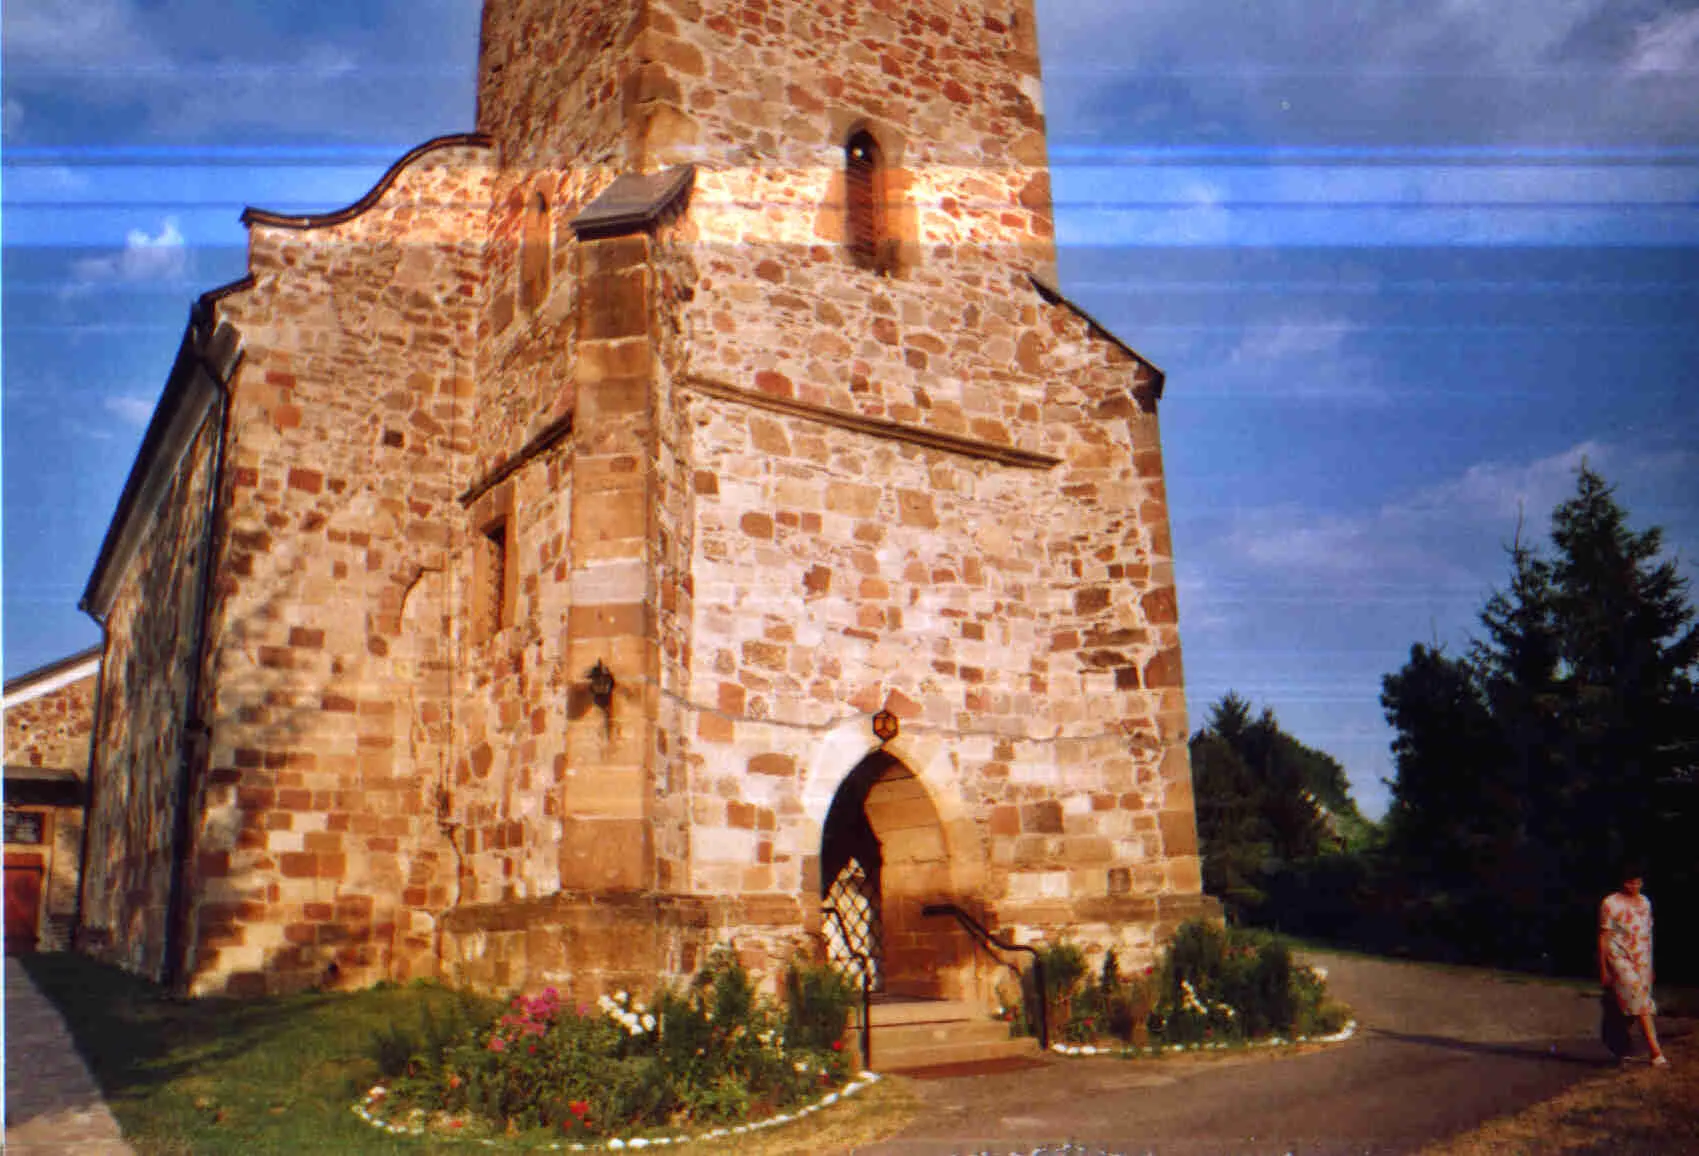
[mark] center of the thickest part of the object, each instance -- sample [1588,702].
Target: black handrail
[866,985]
[977,929]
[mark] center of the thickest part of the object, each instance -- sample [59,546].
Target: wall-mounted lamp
[885,726]
[601,681]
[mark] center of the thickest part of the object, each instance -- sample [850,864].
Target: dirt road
[1436,1053]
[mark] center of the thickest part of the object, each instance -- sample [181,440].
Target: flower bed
[1213,988]
[639,1073]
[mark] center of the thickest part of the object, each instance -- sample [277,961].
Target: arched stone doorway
[883,857]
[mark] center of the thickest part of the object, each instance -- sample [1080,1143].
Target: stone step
[900,1036]
[954,1050]
[920,1011]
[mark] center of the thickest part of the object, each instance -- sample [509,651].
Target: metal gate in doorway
[854,937]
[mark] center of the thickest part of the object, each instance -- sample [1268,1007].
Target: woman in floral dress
[1625,956]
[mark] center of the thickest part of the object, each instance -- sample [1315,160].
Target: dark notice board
[24,826]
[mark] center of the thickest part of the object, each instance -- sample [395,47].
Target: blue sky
[1403,272]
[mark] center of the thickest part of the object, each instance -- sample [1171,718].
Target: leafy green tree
[1234,839]
[1564,742]
[1264,802]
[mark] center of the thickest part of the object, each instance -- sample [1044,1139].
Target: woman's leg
[1651,1034]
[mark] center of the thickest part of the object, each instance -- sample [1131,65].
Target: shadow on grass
[271,1074]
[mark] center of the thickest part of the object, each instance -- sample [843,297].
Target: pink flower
[497,1044]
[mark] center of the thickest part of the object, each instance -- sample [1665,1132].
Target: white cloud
[89,37]
[1667,44]
[143,258]
[208,70]
[129,408]
[1450,534]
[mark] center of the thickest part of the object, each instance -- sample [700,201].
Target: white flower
[800,1065]
[621,996]
[648,1023]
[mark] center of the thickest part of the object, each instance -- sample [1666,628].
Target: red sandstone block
[354,907]
[772,764]
[330,866]
[297,865]
[317,912]
[328,842]
[301,933]
[337,704]
[295,800]
[775,384]
[310,481]
[276,658]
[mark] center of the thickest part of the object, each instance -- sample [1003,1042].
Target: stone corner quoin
[783,430]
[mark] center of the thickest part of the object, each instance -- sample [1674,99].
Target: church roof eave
[1155,380]
[206,357]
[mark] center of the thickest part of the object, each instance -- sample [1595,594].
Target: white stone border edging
[1338,1037]
[376,1096]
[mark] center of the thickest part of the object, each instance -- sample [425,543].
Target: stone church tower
[681,512]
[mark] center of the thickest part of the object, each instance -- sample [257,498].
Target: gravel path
[53,1106]
[1437,1052]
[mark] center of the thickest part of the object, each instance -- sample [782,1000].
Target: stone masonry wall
[52,729]
[344,573]
[1021,620]
[145,679]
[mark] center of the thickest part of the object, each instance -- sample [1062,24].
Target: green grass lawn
[279,1074]
[239,1076]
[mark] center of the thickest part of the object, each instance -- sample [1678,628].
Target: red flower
[497,1044]
[579,1108]
[837,1045]
[532,1049]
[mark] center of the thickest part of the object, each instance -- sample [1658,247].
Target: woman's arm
[1604,945]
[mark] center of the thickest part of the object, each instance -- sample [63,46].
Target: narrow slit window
[864,197]
[534,253]
[490,582]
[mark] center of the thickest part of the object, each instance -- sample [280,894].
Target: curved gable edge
[253,216]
